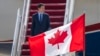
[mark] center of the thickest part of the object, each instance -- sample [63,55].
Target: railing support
[20,29]
[16,34]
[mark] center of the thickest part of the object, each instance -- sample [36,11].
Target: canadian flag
[67,38]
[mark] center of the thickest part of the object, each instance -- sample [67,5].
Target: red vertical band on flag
[77,30]
[37,45]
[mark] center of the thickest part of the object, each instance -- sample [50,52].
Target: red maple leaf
[58,38]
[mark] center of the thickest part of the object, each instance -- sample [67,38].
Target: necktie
[40,17]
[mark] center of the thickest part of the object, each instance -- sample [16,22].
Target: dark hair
[40,5]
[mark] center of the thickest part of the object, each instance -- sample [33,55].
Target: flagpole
[84,37]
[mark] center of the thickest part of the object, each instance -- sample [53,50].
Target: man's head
[41,8]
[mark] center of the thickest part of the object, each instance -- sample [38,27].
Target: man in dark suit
[40,21]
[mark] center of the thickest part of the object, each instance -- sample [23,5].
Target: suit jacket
[39,27]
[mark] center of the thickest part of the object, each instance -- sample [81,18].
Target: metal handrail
[23,26]
[16,33]
[20,29]
[26,18]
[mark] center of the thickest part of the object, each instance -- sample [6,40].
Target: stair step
[50,12]
[25,55]
[25,52]
[50,6]
[53,25]
[27,36]
[25,45]
[48,1]
[51,19]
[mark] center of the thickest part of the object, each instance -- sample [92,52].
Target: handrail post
[22,33]
[26,19]
[16,34]
[22,29]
